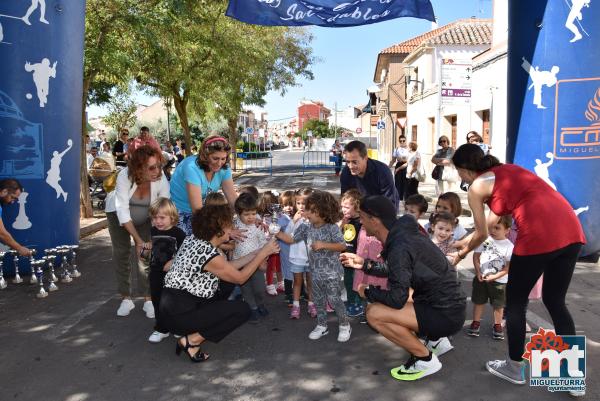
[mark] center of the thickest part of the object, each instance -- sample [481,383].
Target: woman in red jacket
[550,238]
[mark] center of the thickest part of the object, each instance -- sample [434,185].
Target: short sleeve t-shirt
[164,246]
[494,256]
[323,263]
[188,171]
[350,231]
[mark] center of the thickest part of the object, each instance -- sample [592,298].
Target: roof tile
[470,31]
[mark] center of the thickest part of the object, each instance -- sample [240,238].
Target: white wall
[490,93]
[422,108]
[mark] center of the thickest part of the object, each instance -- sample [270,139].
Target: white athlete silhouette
[41,78]
[34,5]
[576,15]
[53,178]
[541,169]
[539,78]
[581,210]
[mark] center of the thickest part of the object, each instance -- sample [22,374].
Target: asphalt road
[71,346]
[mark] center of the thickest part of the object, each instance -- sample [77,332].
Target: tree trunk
[233,134]
[181,107]
[85,201]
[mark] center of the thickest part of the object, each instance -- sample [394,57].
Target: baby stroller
[99,171]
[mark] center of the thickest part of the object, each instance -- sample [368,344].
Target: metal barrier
[317,159]
[254,161]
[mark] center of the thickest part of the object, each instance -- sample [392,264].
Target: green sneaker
[415,369]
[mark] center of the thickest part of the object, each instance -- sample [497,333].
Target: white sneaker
[344,333]
[157,337]
[149,309]
[415,369]
[272,290]
[126,306]
[318,332]
[439,347]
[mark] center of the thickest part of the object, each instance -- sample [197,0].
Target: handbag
[436,174]
[420,173]
[450,174]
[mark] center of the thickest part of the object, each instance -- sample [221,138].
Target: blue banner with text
[327,13]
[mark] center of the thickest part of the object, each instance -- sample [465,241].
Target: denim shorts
[294,268]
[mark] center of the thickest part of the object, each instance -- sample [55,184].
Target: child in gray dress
[324,241]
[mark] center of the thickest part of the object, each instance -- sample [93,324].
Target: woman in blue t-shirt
[197,176]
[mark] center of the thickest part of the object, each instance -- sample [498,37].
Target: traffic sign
[309,133]
[380,124]
[456,82]
[359,130]
[249,130]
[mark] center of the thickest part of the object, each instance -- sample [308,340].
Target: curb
[92,228]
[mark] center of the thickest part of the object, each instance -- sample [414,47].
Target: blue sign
[249,130]
[554,101]
[41,48]
[329,13]
[380,124]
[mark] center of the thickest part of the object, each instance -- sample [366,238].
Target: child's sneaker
[263,311]
[498,332]
[354,310]
[439,347]
[473,330]
[318,332]
[344,333]
[254,316]
[295,313]
[157,337]
[511,371]
[415,368]
[271,290]
[312,310]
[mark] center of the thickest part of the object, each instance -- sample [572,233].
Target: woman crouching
[188,306]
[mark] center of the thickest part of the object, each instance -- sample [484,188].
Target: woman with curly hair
[188,306]
[127,212]
[198,175]
[325,242]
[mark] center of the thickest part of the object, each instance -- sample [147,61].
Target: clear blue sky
[348,56]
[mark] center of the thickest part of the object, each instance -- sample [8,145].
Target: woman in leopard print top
[188,306]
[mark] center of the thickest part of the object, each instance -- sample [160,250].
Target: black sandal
[199,356]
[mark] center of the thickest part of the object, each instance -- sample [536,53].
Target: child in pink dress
[368,248]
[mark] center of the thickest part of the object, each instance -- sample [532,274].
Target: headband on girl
[217,139]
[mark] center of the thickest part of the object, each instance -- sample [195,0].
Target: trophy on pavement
[15,254]
[74,271]
[63,254]
[50,258]
[33,279]
[39,265]
[2,281]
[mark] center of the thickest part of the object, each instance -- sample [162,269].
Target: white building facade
[430,66]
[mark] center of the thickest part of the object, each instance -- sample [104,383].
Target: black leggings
[411,188]
[557,267]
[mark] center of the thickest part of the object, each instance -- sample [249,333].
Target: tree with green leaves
[107,60]
[121,111]
[319,129]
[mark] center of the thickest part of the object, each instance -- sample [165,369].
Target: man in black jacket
[424,294]
[370,177]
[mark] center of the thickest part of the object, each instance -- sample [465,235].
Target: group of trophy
[63,257]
